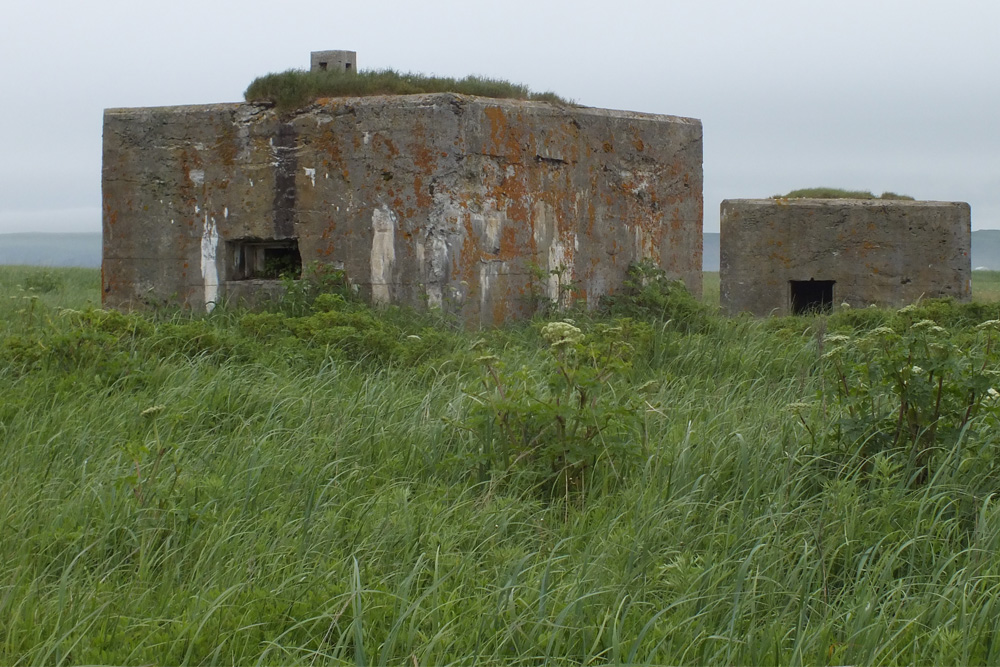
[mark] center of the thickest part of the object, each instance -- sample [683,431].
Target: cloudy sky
[900,95]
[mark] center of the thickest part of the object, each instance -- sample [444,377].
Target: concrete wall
[342,61]
[888,253]
[442,200]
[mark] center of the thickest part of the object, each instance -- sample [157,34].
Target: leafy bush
[296,88]
[321,287]
[648,294]
[909,392]
[561,424]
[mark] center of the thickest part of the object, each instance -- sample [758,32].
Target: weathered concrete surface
[342,61]
[888,253]
[442,200]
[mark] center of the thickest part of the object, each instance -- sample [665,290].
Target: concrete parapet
[783,256]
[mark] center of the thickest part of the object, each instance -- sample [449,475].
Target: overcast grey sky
[876,94]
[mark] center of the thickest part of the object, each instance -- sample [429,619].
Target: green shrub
[321,287]
[648,294]
[561,424]
[910,391]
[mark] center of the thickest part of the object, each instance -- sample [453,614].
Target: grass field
[329,485]
[986,286]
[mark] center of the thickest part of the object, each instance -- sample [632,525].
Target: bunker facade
[789,256]
[477,206]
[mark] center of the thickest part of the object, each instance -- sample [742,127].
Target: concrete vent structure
[796,256]
[333,61]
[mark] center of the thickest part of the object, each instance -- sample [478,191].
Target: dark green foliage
[914,392]
[562,425]
[295,88]
[648,294]
[838,193]
[321,287]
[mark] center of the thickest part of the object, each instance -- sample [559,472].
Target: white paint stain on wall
[558,255]
[560,265]
[645,248]
[438,270]
[197,176]
[383,253]
[209,267]
[487,272]
[310,174]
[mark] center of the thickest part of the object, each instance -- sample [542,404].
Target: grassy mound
[838,193]
[296,88]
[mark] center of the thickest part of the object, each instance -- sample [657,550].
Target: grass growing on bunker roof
[838,193]
[296,88]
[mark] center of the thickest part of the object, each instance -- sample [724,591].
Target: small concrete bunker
[473,205]
[795,256]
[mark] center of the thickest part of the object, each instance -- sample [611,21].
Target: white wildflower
[561,333]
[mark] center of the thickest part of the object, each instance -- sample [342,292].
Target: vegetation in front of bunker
[914,393]
[839,193]
[295,88]
[568,426]
[189,489]
[648,294]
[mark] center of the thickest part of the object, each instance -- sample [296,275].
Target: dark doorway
[265,259]
[811,296]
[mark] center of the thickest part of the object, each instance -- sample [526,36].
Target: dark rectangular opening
[322,65]
[347,66]
[264,259]
[811,296]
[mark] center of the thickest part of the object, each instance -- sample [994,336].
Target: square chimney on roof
[332,61]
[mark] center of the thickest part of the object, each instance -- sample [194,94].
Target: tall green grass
[294,88]
[230,488]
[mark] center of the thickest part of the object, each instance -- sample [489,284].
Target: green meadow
[648,484]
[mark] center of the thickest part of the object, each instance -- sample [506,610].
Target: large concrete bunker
[477,206]
[790,256]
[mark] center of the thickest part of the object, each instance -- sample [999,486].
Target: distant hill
[33,249]
[85,250]
[986,249]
